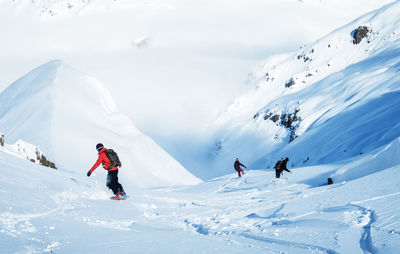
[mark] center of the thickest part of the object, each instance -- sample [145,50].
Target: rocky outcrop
[306,56]
[288,120]
[43,160]
[27,151]
[290,83]
[360,33]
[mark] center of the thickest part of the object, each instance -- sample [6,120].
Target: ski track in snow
[230,220]
[17,224]
[258,212]
[289,243]
[366,237]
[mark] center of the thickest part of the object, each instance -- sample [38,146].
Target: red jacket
[103,159]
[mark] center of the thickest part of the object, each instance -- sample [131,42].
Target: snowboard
[119,198]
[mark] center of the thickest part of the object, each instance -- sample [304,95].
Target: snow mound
[66,113]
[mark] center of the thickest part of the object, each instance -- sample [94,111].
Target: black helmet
[287,159]
[99,146]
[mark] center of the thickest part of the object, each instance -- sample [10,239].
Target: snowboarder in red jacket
[112,176]
[237,167]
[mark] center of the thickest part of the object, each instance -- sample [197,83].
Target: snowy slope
[330,100]
[192,52]
[48,211]
[66,113]
[344,109]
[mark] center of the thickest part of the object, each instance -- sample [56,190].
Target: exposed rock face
[290,121]
[274,118]
[1,139]
[43,160]
[287,120]
[360,33]
[290,83]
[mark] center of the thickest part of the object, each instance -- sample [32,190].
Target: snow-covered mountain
[161,59]
[66,113]
[331,100]
[334,102]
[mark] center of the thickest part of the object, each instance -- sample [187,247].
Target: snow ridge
[66,113]
[26,151]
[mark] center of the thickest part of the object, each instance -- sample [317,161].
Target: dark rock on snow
[290,83]
[360,33]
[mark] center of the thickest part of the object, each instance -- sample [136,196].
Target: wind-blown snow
[66,113]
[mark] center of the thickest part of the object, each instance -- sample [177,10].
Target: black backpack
[278,165]
[114,159]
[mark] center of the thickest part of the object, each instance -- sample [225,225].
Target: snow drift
[66,113]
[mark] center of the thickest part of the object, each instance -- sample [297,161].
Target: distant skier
[237,167]
[111,163]
[280,166]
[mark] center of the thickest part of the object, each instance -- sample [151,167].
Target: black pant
[112,182]
[278,173]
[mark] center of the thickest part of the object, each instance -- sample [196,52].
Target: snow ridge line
[375,198]
[289,243]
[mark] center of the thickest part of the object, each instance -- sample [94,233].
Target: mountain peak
[322,103]
[66,112]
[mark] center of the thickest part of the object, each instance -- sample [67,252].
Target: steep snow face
[26,107]
[66,113]
[331,100]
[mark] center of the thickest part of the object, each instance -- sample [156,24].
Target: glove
[290,171]
[89,173]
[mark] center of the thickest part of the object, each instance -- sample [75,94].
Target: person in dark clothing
[113,184]
[277,168]
[237,167]
[112,176]
[280,166]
